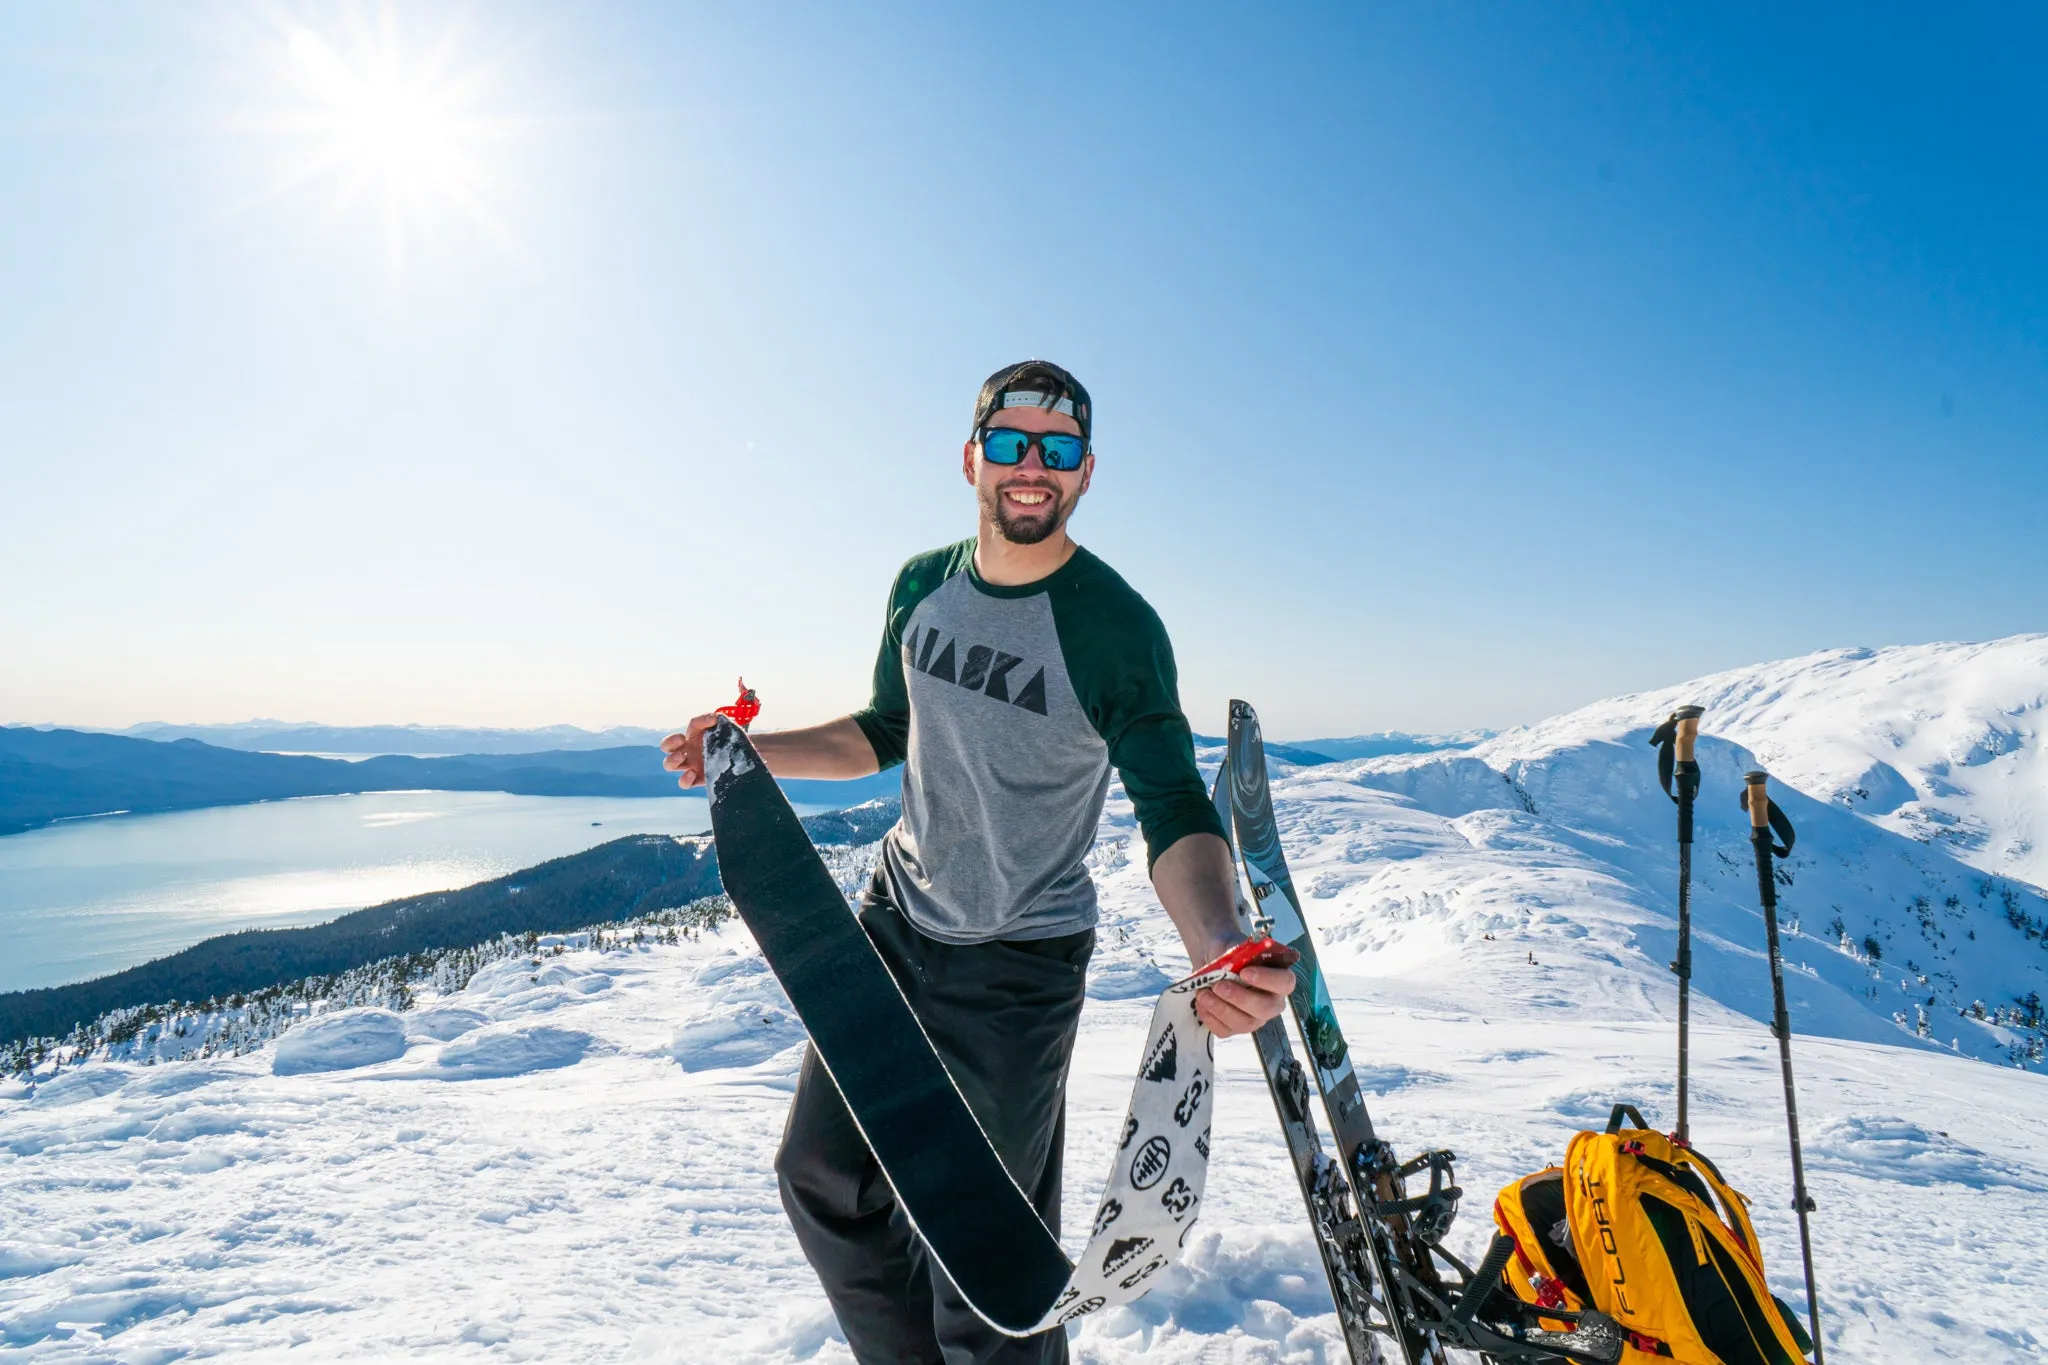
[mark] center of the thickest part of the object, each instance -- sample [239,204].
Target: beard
[1028,528]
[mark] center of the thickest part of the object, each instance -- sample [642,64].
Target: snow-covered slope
[1889,924]
[1563,844]
[1942,743]
[569,1159]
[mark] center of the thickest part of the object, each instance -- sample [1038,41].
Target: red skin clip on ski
[743,711]
[1253,952]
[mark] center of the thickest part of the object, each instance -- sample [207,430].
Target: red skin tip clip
[1254,952]
[743,711]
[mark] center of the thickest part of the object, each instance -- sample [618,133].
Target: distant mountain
[1910,908]
[290,737]
[1386,742]
[439,741]
[1297,754]
[1942,743]
[51,775]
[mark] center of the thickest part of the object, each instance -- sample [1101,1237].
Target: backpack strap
[1700,1158]
[1621,1111]
[1686,1180]
[1734,1209]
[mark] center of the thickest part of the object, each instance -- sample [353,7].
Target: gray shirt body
[1008,707]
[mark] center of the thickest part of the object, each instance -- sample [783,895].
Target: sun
[384,123]
[398,130]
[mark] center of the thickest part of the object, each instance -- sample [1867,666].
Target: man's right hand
[832,752]
[684,752]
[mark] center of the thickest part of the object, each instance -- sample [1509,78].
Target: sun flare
[398,131]
[384,123]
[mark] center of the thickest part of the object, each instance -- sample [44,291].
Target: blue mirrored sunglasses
[1001,445]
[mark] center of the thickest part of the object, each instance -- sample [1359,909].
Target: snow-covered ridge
[1382,743]
[1942,743]
[1560,831]
[1556,839]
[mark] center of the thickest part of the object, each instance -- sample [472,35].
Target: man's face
[1026,502]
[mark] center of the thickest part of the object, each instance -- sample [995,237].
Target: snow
[613,1200]
[79,1086]
[511,1050]
[340,1041]
[1898,1150]
[743,1018]
[1942,743]
[569,1159]
[443,1022]
[1560,833]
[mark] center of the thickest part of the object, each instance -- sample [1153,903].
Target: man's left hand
[1231,1007]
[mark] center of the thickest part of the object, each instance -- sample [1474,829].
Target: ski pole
[1675,739]
[1765,820]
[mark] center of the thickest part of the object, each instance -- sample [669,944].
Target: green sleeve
[885,720]
[1121,665]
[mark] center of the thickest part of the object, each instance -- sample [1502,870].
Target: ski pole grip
[1688,718]
[1756,798]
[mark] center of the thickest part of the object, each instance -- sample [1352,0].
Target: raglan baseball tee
[1008,706]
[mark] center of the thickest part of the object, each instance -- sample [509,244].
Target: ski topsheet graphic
[971,1215]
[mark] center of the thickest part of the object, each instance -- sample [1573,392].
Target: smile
[1027,497]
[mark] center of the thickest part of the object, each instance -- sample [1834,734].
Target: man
[1015,670]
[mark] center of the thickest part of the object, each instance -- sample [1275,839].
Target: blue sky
[1454,365]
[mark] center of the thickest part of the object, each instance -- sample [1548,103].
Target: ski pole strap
[1674,741]
[1764,811]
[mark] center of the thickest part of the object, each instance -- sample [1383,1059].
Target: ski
[998,1251]
[1382,1248]
[1367,1178]
[1340,1237]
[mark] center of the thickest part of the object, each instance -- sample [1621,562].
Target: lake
[88,897]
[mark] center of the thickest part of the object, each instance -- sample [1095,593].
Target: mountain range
[418,741]
[442,741]
[1912,901]
[49,774]
[52,775]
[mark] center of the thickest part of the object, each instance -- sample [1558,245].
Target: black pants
[1003,1016]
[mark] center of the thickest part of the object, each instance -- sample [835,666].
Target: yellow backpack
[1646,1230]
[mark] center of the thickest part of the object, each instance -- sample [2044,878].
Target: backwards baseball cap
[1034,384]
